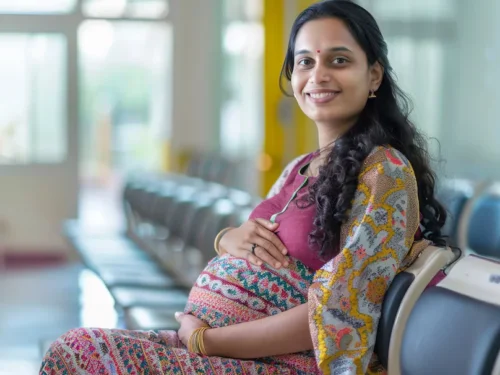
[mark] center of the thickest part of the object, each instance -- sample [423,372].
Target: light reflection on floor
[18,366]
[97,305]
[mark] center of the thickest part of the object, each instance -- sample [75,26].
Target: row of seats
[172,221]
[171,225]
[473,216]
[214,167]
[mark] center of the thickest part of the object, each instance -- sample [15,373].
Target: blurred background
[95,91]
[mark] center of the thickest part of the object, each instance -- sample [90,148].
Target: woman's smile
[321,96]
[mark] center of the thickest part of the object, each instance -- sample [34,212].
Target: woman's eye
[305,62]
[339,60]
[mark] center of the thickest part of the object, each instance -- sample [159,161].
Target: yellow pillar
[166,156]
[271,159]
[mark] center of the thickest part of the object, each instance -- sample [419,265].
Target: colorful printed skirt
[229,291]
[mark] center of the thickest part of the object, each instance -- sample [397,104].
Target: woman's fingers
[264,254]
[178,316]
[252,258]
[268,234]
[268,252]
[259,232]
[260,255]
[267,224]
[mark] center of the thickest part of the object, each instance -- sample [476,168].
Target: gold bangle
[196,343]
[201,342]
[192,342]
[219,237]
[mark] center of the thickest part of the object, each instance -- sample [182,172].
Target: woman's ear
[376,76]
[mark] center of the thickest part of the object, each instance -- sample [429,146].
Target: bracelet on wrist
[219,237]
[196,343]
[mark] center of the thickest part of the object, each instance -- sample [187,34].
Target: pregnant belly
[231,291]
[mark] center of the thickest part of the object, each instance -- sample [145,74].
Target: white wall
[32,206]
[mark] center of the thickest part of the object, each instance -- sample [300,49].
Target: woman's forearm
[284,333]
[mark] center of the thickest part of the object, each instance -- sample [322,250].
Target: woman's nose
[319,74]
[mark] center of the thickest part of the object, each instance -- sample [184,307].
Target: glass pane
[126,8]
[424,83]
[242,105]
[242,108]
[32,109]
[37,6]
[410,9]
[243,10]
[125,96]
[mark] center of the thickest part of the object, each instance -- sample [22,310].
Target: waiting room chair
[483,229]
[454,328]
[208,220]
[173,298]
[454,194]
[399,300]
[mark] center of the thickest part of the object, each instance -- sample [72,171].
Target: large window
[32,111]
[113,55]
[410,10]
[37,6]
[126,8]
[124,95]
[242,102]
[419,65]
[446,54]
[418,34]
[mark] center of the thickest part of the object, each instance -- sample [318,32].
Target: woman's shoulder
[285,174]
[299,160]
[387,160]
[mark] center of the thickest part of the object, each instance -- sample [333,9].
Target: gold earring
[372,95]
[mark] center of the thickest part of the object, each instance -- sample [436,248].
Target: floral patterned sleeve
[275,189]
[346,296]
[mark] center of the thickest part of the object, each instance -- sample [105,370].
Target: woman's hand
[260,232]
[189,324]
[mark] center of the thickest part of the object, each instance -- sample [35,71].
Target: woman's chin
[330,117]
[324,118]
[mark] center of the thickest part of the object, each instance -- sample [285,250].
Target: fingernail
[178,314]
[286,264]
[259,263]
[285,251]
[278,265]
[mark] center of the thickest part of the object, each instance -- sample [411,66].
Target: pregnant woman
[298,288]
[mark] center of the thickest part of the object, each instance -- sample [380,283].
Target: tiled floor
[35,306]
[38,305]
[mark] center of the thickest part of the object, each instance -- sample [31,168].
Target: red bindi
[318,51]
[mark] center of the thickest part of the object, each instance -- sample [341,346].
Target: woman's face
[331,79]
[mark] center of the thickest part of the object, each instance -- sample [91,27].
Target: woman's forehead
[325,33]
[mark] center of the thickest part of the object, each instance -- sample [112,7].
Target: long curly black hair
[384,121]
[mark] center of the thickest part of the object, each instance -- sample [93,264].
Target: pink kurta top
[295,223]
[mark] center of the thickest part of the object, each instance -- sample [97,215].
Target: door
[38,124]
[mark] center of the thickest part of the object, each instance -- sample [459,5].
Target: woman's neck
[328,133]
